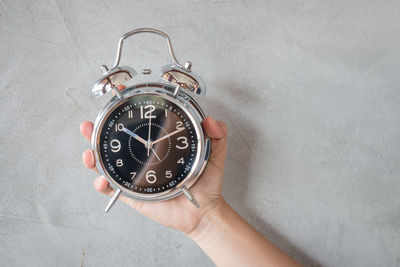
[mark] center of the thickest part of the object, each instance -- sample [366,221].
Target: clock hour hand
[167,136]
[137,137]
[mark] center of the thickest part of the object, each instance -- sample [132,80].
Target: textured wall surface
[309,90]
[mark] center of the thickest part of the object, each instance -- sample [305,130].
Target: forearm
[230,241]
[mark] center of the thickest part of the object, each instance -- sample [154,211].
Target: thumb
[218,133]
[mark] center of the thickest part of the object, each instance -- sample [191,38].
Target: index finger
[86,129]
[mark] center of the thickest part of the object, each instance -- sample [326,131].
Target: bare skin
[222,234]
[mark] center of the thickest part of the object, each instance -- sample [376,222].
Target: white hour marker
[119,163]
[151,177]
[181,161]
[119,127]
[115,145]
[179,125]
[147,114]
[168,174]
[133,175]
[166,112]
[185,144]
[130,114]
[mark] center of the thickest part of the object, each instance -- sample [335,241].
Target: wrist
[210,226]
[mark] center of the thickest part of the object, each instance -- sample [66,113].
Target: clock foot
[112,200]
[190,196]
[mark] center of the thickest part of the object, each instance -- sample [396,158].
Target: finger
[218,132]
[101,185]
[86,129]
[214,129]
[88,160]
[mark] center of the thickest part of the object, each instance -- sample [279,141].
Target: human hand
[179,212]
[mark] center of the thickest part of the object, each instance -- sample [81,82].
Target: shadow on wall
[243,137]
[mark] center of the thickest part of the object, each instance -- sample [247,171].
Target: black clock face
[148,144]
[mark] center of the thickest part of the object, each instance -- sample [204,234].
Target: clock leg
[190,196]
[112,200]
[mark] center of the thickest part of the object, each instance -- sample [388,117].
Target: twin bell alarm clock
[148,140]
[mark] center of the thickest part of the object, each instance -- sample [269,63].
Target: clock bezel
[192,110]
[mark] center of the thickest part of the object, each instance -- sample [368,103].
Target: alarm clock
[148,140]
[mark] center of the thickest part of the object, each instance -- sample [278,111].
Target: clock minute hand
[137,137]
[167,136]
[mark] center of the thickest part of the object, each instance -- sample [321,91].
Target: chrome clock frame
[193,111]
[176,83]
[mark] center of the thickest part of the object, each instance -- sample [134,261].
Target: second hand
[148,138]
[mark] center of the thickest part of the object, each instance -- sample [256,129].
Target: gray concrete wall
[309,90]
